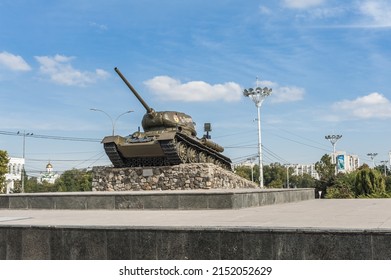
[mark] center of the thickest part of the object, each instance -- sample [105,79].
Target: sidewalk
[364,214]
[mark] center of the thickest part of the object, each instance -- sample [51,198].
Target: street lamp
[384,162]
[287,174]
[113,122]
[24,134]
[252,167]
[372,156]
[258,96]
[333,140]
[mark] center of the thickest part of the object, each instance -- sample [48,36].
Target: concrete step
[181,200]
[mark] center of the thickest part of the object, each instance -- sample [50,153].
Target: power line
[274,155]
[50,137]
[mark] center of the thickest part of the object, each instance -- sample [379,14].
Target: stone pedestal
[178,177]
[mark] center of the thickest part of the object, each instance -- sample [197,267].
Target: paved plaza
[322,214]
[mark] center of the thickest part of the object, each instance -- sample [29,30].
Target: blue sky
[328,62]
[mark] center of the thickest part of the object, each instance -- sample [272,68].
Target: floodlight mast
[372,156]
[333,140]
[258,96]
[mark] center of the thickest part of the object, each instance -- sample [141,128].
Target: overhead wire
[50,137]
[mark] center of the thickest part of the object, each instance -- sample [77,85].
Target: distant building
[301,169]
[15,168]
[48,176]
[346,163]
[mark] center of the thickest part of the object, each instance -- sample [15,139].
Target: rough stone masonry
[177,177]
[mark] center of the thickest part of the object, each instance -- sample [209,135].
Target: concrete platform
[159,200]
[311,229]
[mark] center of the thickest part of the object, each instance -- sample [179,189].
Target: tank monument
[166,155]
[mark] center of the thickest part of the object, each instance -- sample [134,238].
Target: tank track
[170,151]
[119,161]
[112,152]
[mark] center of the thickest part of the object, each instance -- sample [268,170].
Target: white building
[48,176]
[301,169]
[346,163]
[15,168]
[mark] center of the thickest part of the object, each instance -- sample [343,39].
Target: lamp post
[384,162]
[287,175]
[24,134]
[258,96]
[333,140]
[389,159]
[113,122]
[372,156]
[252,167]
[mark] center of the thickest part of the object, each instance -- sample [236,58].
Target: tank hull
[165,148]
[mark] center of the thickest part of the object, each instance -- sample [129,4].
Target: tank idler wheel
[202,157]
[192,155]
[181,149]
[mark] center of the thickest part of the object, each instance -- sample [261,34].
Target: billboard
[341,163]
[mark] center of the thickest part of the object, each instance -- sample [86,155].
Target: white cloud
[377,11]
[373,105]
[302,4]
[327,12]
[13,62]
[101,27]
[168,88]
[265,10]
[283,94]
[60,71]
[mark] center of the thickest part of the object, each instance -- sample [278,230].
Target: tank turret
[169,138]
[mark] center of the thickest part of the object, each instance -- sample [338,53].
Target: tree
[243,171]
[325,168]
[388,184]
[383,169]
[369,183]
[302,181]
[342,186]
[4,160]
[74,180]
[326,171]
[274,175]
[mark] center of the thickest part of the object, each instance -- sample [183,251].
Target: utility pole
[384,162]
[258,96]
[24,134]
[252,167]
[287,175]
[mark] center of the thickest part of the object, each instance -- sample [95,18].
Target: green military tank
[169,138]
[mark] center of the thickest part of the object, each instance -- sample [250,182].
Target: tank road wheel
[182,151]
[192,155]
[202,157]
[210,159]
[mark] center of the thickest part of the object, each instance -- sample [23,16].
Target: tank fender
[116,139]
[212,145]
[167,135]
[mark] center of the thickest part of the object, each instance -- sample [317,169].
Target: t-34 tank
[169,138]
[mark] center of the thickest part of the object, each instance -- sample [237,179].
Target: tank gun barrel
[149,109]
